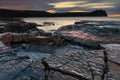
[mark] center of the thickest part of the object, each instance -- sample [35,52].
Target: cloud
[14,6]
[99,5]
[85,4]
[24,4]
[111,6]
[67,4]
[102,7]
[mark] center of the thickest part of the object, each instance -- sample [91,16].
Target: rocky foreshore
[81,51]
[90,64]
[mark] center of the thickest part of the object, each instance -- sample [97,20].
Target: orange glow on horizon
[77,11]
[113,15]
[51,11]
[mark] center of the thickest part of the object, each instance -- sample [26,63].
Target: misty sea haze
[62,21]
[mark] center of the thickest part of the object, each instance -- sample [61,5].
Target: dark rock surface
[114,60]
[23,62]
[80,62]
[73,58]
[19,26]
[94,32]
[87,63]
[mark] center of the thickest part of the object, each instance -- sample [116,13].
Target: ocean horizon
[62,21]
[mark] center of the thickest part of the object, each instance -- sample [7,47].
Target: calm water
[61,21]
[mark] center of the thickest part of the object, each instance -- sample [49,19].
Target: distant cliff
[96,13]
[28,13]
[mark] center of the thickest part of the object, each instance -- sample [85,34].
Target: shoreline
[27,50]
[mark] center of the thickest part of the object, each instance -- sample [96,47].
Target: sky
[111,6]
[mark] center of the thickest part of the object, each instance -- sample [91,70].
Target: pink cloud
[19,7]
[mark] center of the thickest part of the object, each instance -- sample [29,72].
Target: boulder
[26,37]
[22,37]
[6,38]
[20,26]
[16,37]
[40,40]
[99,31]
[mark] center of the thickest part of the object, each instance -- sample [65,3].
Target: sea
[62,21]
